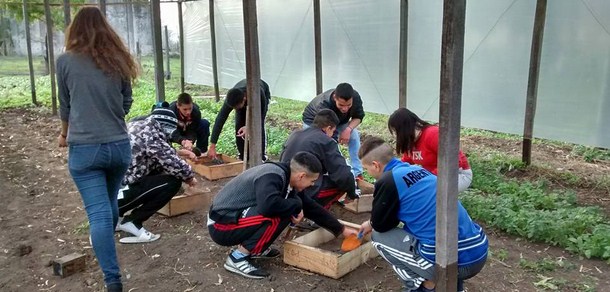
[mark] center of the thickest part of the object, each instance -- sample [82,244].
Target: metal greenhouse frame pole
[532,82]
[67,15]
[181,30]
[51,54]
[28,41]
[403,56]
[102,5]
[155,14]
[317,29]
[254,143]
[214,58]
[452,62]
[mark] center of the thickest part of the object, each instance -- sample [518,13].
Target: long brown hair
[403,124]
[90,34]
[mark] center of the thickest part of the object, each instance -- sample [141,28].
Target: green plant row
[532,211]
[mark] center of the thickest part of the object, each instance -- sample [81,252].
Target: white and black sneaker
[244,268]
[269,253]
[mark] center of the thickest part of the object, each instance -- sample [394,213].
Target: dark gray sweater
[266,188]
[93,103]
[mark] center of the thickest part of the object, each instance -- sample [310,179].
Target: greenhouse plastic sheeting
[360,46]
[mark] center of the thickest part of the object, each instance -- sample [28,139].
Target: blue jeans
[97,171]
[353,146]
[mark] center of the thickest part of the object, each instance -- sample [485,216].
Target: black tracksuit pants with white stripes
[253,231]
[147,196]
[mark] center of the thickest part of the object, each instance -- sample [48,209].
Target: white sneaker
[129,227]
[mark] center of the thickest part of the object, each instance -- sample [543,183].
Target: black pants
[253,231]
[240,121]
[147,196]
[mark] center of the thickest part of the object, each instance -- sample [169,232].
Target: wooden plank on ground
[68,265]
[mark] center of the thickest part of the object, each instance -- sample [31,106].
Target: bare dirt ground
[42,217]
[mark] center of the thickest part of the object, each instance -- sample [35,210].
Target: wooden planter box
[181,204]
[206,168]
[361,205]
[304,252]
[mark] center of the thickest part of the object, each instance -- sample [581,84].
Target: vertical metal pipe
[317,28]
[51,54]
[214,57]
[155,7]
[181,31]
[403,56]
[102,5]
[168,71]
[67,15]
[532,82]
[28,41]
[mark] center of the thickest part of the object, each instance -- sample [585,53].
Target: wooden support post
[67,15]
[181,31]
[103,6]
[28,41]
[68,265]
[452,61]
[168,71]
[403,56]
[51,54]
[317,29]
[532,82]
[214,58]
[155,8]
[254,153]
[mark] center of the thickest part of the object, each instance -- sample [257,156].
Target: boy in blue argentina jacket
[406,194]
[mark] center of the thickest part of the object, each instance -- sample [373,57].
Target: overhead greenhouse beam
[532,81]
[452,63]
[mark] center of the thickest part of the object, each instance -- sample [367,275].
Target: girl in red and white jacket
[417,141]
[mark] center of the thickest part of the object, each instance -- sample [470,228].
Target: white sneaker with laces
[244,268]
[129,227]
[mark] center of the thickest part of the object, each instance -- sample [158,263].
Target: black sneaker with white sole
[244,268]
[267,254]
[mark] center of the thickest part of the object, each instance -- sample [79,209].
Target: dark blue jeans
[97,171]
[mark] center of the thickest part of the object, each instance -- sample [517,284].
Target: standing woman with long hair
[94,79]
[417,141]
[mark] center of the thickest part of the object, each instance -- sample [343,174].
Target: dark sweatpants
[147,196]
[240,121]
[253,231]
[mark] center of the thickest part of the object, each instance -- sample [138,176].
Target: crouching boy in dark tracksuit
[337,179]
[254,208]
[406,194]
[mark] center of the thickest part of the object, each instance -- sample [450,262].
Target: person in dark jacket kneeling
[253,209]
[405,195]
